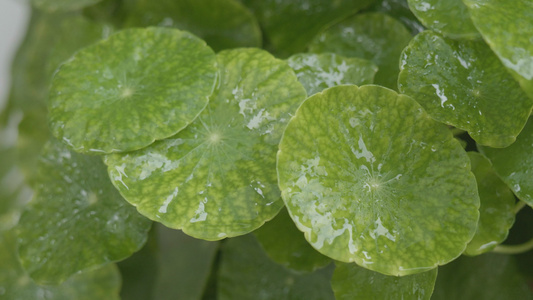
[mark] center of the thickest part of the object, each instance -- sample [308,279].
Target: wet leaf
[76,220]
[355,166]
[139,85]
[217,178]
[463,84]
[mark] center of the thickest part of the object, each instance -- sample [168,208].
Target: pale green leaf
[369,177]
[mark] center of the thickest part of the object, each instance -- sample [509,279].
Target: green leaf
[399,9]
[291,24]
[351,282]
[372,36]
[15,284]
[217,178]
[247,273]
[497,207]
[463,84]
[317,72]
[449,17]
[487,276]
[138,86]
[286,245]
[76,220]
[507,26]
[62,5]
[355,168]
[221,23]
[514,164]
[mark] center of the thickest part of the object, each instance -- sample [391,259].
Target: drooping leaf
[217,178]
[317,72]
[497,207]
[370,178]
[373,36]
[221,23]
[291,24]
[514,164]
[463,84]
[487,276]
[62,5]
[351,282]
[286,245]
[247,273]
[399,9]
[507,26]
[76,220]
[138,86]
[449,17]
[15,284]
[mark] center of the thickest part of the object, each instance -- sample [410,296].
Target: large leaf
[351,282]
[507,26]
[286,245]
[217,178]
[449,17]
[62,5]
[370,178]
[15,284]
[138,86]
[514,164]
[373,36]
[317,72]
[247,273]
[76,220]
[291,24]
[497,207]
[221,23]
[464,84]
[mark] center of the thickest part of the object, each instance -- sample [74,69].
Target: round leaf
[317,72]
[76,220]
[463,84]
[449,17]
[370,178]
[62,5]
[138,86]
[497,207]
[372,36]
[351,282]
[217,178]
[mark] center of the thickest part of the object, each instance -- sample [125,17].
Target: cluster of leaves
[299,149]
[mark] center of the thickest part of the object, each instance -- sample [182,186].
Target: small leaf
[372,36]
[317,72]
[138,86]
[463,84]
[514,164]
[246,273]
[351,282]
[217,178]
[286,245]
[370,178]
[62,5]
[15,284]
[449,17]
[76,220]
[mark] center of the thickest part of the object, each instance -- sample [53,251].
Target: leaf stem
[519,205]
[514,249]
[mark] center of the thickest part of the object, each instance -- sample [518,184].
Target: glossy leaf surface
[286,245]
[355,166]
[15,284]
[373,36]
[139,85]
[496,210]
[463,84]
[507,26]
[217,178]
[62,5]
[247,273]
[221,23]
[352,282]
[449,17]
[317,72]
[76,220]
[514,164]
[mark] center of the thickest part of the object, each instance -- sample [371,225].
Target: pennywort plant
[303,149]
